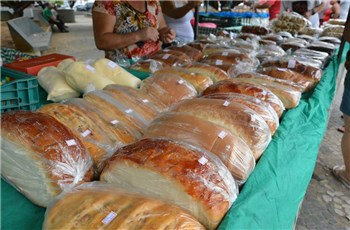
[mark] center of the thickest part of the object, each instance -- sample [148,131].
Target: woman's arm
[169,9]
[105,39]
[166,34]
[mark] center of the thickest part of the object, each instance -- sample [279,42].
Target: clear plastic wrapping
[41,157]
[262,108]
[314,32]
[98,205]
[260,92]
[239,119]
[193,53]
[269,51]
[181,174]
[290,22]
[96,138]
[333,40]
[231,60]
[199,81]
[333,31]
[148,65]
[288,74]
[54,82]
[304,68]
[216,74]
[168,88]
[323,47]
[266,42]
[313,54]
[306,37]
[289,96]
[258,30]
[294,44]
[273,37]
[246,36]
[172,57]
[284,34]
[117,111]
[232,150]
[241,67]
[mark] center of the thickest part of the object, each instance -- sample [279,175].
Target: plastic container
[20,91]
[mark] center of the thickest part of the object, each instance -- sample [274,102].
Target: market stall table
[273,193]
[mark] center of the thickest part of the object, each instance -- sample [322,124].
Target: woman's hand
[149,34]
[167,35]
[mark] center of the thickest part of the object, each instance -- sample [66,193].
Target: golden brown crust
[147,65]
[193,53]
[46,137]
[215,73]
[231,150]
[259,92]
[172,57]
[89,208]
[181,163]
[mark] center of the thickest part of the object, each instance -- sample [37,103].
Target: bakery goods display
[191,52]
[148,65]
[40,157]
[192,178]
[232,150]
[216,74]
[258,30]
[98,205]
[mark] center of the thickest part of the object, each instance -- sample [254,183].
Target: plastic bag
[54,82]
[237,118]
[216,74]
[172,57]
[191,52]
[231,150]
[333,31]
[294,44]
[192,178]
[241,67]
[269,51]
[323,47]
[98,205]
[41,157]
[333,40]
[313,54]
[258,30]
[260,92]
[273,37]
[148,65]
[168,88]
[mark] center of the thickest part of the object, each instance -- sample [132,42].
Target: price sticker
[222,134]
[218,62]
[112,64]
[86,133]
[166,56]
[291,64]
[114,122]
[145,101]
[90,68]
[129,111]
[203,160]
[180,82]
[71,142]
[225,53]
[111,216]
[226,103]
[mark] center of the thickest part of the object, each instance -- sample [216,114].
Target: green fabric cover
[271,196]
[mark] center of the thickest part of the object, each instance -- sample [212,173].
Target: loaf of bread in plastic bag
[167,88]
[148,65]
[262,108]
[193,53]
[199,81]
[41,157]
[239,119]
[232,150]
[97,138]
[117,112]
[215,73]
[116,73]
[289,97]
[181,174]
[258,30]
[54,82]
[258,91]
[98,205]
[172,57]
[287,74]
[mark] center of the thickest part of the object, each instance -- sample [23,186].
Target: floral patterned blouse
[130,20]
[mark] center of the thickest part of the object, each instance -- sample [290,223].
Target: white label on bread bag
[291,64]
[145,101]
[109,218]
[218,62]
[166,56]
[71,142]
[203,160]
[112,64]
[222,134]
[282,69]
[225,53]
[226,103]
[89,67]
[86,133]
[114,122]
[129,111]
[180,82]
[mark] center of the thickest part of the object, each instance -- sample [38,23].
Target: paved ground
[327,201]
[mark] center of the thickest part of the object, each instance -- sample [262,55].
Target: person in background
[309,9]
[51,15]
[274,7]
[340,9]
[178,15]
[129,29]
[324,14]
[342,173]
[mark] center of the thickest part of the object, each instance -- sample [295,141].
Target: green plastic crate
[21,93]
[139,74]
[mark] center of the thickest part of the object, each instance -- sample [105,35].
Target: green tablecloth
[271,196]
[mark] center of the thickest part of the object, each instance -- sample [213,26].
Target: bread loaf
[290,75]
[216,74]
[262,108]
[116,112]
[232,150]
[172,57]
[198,81]
[257,91]
[118,130]
[40,157]
[289,97]
[237,118]
[193,53]
[323,47]
[259,30]
[192,178]
[273,37]
[231,58]
[96,138]
[168,88]
[102,206]
[144,109]
[148,65]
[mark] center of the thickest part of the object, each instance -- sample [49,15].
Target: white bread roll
[40,157]
[192,178]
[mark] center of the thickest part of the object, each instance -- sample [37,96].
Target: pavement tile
[331,193]
[337,200]
[339,212]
